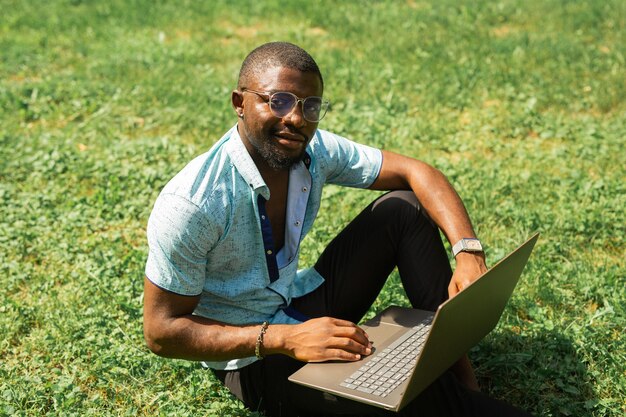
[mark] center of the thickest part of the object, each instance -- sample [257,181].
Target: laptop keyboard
[392,366]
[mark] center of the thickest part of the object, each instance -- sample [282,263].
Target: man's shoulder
[203,176]
[323,140]
[331,146]
[325,135]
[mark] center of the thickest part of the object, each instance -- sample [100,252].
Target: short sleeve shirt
[208,234]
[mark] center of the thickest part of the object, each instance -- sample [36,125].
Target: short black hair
[277,54]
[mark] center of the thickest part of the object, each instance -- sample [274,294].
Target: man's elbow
[155,342]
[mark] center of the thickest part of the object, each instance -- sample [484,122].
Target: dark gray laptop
[414,347]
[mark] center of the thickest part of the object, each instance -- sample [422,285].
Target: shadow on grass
[541,373]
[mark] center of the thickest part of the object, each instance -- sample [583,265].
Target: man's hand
[469,266]
[318,340]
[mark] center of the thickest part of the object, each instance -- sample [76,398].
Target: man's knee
[400,204]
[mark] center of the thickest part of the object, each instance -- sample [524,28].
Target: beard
[274,156]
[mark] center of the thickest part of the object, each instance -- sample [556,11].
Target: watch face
[473,245]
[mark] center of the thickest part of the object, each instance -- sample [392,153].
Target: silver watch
[467,244]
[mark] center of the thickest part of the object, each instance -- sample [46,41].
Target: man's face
[274,142]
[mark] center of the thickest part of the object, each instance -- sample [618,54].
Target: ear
[236,98]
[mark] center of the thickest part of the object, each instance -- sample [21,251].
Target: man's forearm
[442,204]
[197,338]
[171,330]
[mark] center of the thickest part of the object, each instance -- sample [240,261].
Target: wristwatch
[467,244]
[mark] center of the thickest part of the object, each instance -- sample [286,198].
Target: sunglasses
[283,102]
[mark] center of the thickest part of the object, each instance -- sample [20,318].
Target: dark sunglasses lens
[282,103]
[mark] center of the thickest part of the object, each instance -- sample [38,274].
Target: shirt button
[304,189]
[262,217]
[297,223]
[269,252]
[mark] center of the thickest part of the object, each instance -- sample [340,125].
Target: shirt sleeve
[348,163]
[179,238]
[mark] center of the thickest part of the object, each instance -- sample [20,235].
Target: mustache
[292,133]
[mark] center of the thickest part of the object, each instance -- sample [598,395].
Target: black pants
[392,231]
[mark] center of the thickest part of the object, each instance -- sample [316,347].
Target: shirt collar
[245,165]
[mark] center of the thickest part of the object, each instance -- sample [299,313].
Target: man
[222,282]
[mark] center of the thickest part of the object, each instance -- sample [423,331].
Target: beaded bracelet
[259,340]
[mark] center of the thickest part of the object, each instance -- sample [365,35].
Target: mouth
[290,140]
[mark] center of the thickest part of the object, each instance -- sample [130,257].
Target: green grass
[521,104]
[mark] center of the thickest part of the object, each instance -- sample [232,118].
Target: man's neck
[273,177]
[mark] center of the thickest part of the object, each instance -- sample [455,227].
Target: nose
[296,116]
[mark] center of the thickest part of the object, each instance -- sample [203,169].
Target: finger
[452,289]
[348,329]
[342,323]
[349,345]
[462,282]
[339,355]
[354,333]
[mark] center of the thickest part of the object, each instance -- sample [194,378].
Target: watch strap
[467,244]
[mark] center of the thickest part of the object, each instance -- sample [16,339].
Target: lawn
[522,104]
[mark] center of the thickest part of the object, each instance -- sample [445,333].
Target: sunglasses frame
[267,96]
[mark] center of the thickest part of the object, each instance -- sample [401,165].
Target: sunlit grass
[521,104]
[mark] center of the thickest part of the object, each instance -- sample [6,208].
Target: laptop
[414,347]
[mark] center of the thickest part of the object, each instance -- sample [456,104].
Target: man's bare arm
[442,204]
[170,330]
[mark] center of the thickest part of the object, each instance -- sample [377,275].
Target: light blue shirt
[209,235]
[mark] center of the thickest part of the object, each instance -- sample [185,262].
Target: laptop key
[390,374]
